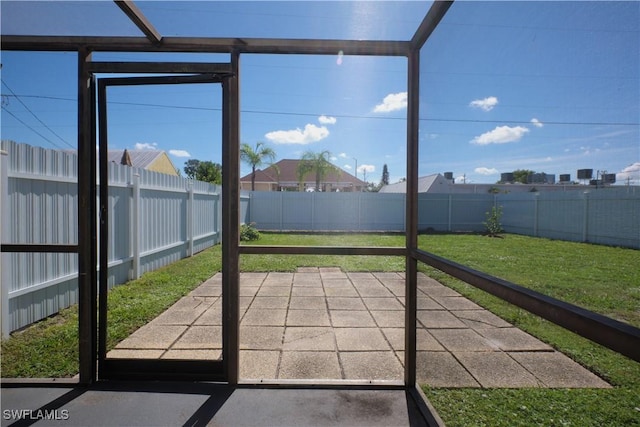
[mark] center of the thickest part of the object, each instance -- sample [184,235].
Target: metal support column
[411,274]
[87,222]
[230,223]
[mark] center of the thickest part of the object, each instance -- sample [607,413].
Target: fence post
[450,213]
[585,219]
[190,218]
[135,226]
[218,208]
[536,197]
[281,210]
[404,212]
[360,210]
[5,262]
[313,210]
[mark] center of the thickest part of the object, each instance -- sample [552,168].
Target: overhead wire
[352,116]
[34,115]
[32,129]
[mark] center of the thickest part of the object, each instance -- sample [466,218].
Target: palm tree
[255,157]
[318,162]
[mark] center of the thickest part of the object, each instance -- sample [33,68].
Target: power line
[355,116]
[34,115]
[310,114]
[529,122]
[29,127]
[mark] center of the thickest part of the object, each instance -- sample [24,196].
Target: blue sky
[547,86]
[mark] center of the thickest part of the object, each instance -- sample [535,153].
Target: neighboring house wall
[163,164]
[260,186]
[151,160]
[283,176]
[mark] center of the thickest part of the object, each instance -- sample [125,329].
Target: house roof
[139,158]
[287,173]
[424,184]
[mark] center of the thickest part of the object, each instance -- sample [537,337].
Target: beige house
[152,160]
[283,176]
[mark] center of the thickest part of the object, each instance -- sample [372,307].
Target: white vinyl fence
[302,211]
[154,219]
[607,216]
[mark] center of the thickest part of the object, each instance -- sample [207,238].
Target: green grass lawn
[603,279]
[600,278]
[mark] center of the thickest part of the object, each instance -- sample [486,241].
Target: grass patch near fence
[347,263]
[49,348]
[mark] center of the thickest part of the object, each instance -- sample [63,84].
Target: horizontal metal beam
[321,384]
[159,80]
[161,369]
[617,336]
[322,250]
[207,45]
[35,248]
[159,67]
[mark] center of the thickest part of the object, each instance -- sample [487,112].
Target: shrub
[248,232]
[492,224]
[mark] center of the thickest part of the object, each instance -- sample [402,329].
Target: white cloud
[537,123]
[179,153]
[366,168]
[501,135]
[630,174]
[343,155]
[145,146]
[327,120]
[311,133]
[486,171]
[587,151]
[485,104]
[333,158]
[348,167]
[392,102]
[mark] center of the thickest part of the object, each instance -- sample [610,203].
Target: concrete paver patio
[323,323]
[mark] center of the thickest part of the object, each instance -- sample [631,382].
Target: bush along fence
[154,219]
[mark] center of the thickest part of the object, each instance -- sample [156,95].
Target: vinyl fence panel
[154,219]
[453,212]
[609,216]
[304,211]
